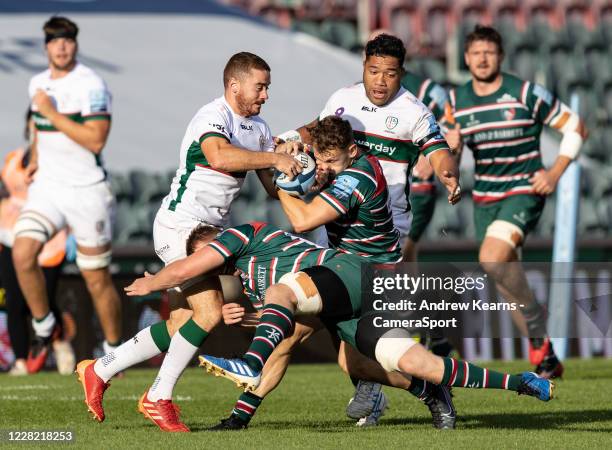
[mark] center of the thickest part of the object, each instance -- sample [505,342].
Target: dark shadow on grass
[562,420]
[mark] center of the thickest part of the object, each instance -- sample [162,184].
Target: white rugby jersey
[198,191]
[395,133]
[82,96]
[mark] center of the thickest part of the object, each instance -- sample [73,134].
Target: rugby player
[224,140]
[71,110]
[500,118]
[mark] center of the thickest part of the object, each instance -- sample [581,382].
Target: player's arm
[198,263]
[266,178]
[306,216]
[222,155]
[92,134]
[563,119]
[302,134]
[429,139]
[32,166]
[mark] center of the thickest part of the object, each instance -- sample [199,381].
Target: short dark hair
[332,132]
[58,26]
[241,64]
[484,33]
[386,45]
[198,234]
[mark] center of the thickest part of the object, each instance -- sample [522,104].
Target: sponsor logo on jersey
[472,121]
[344,186]
[261,278]
[391,122]
[369,108]
[97,101]
[246,127]
[506,98]
[221,128]
[339,111]
[509,113]
[377,147]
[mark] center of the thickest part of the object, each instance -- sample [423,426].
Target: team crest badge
[391,122]
[509,114]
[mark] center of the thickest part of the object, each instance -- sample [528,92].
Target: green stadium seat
[308,26]
[121,186]
[147,186]
[589,221]
[341,33]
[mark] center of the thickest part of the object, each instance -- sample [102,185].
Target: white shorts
[170,234]
[402,223]
[88,210]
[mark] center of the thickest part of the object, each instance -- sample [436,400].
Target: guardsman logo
[391,122]
[509,113]
[339,111]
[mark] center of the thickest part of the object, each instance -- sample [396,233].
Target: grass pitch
[307,410]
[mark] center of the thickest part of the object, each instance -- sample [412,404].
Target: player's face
[333,161]
[484,59]
[61,52]
[381,77]
[253,92]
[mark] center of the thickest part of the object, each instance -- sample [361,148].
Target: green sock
[160,335]
[246,406]
[419,388]
[458,373]
[274,324]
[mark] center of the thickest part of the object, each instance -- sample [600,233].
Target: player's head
[334,146]
[246,78]
[61,42]
[199,237]
[382,68]
[484,53]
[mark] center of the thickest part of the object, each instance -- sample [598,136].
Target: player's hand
[232,313]
[544,182]
[140,286]
[290,148]
[451,182]
[288,165]
[43,103]
[453,138]
[422,169]
[30,170]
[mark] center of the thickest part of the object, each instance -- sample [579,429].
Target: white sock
[177,358]
[137,349]
[107,348]
[43,328]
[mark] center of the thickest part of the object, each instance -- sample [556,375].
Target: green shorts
[347,331]
[423,206]
[348,268]
[524,211]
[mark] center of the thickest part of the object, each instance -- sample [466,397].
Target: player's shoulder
[88,78]
[409,105]
[360,172]
[412,82]
[40,78]
[216,110]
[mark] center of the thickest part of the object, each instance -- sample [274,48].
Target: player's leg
[395,350]
[499,256]
[275,324]
[38,222]
[273,372]
[437,398]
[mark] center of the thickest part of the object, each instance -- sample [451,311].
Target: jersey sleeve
[96,100]
[346,192]
[212,123]
[233,242]
[427,135]
[268,140]
[328,109]
[544,106]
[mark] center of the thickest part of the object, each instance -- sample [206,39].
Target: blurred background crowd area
[563,45]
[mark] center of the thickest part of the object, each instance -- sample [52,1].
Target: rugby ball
[301,184]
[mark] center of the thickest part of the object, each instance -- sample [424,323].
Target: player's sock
[246,406]
[110,346]
[419,388]
[458,373]
[146,344]
[274,324]
[44,327]
[183,347]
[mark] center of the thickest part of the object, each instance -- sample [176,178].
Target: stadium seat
[589,223]
[525,61]
[595,148]
[307,26]
[147,187]
[340,33]
[606,100]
